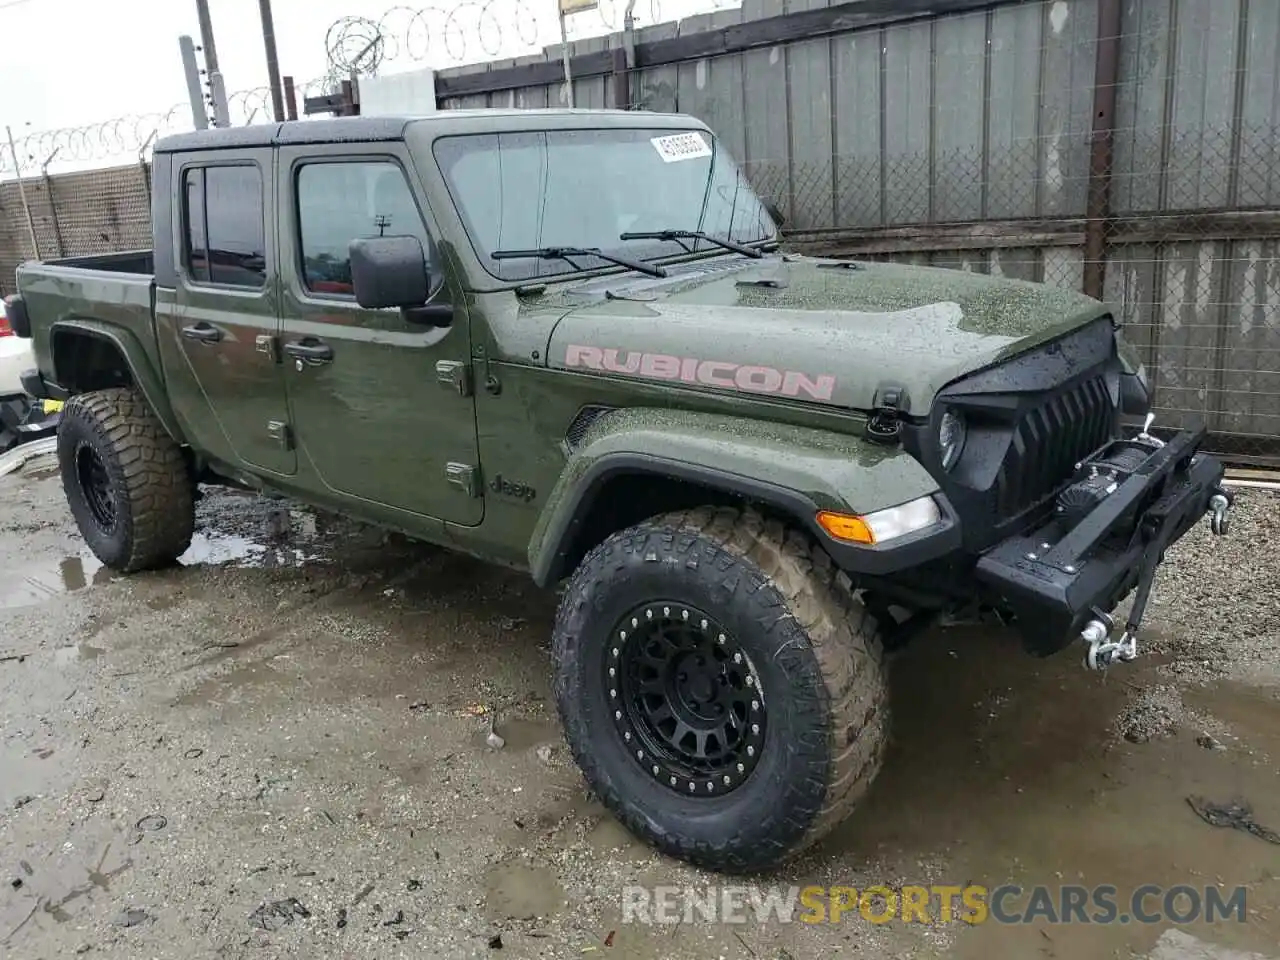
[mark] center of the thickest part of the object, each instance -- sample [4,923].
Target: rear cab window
[224,232]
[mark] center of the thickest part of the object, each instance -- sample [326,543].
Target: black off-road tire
[113,436]
[821,670]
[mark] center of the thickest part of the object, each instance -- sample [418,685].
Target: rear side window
[225,237]
[348,200]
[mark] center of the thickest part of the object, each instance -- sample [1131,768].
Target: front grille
[1049,440]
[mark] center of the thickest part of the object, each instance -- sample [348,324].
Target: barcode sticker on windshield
[681,146]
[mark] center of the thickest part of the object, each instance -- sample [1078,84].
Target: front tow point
[1102,650]
[1219,504]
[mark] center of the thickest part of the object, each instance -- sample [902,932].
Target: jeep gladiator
[571,342]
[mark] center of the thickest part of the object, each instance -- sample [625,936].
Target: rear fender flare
[795,470]
[145,376]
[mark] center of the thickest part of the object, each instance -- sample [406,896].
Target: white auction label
[681,146]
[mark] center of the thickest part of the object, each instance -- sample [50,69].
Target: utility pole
[199,116]
[564,56]
[22,192]
[273,61]
[567,7]
[217,89]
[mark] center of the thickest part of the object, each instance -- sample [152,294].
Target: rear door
[380,403]
[220,329]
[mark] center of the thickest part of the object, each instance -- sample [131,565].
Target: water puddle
[39,581]
[53,891]
[25,772]
[228,687]
[77,653]
[521,733]
[34,583]
[521,892]
[218,549]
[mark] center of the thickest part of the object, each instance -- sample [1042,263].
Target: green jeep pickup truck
[569,342]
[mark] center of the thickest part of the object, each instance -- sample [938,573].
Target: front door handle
[311,350]
[204,332]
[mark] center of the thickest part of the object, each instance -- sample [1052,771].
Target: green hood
[806,329]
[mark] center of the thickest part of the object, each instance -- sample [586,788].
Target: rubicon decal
[751,378]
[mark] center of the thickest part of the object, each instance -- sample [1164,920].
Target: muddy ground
[300,710]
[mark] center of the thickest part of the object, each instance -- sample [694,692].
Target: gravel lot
[279,748]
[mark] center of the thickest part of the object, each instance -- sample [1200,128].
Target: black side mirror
[389,272]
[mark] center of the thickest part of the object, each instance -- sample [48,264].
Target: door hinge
[267,344]
[885,425]
[279,431]
[462,476]
[455,374]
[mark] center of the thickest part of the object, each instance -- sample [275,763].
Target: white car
[21,417]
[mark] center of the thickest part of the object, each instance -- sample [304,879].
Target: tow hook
[1218,522]
[1103,651]
[1096,633]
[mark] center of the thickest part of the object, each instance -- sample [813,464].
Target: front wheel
[125,479]
[720,686]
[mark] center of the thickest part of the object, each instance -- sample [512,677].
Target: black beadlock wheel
[125,479]
[689,699]
[721,688]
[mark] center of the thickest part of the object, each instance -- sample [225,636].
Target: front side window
[349,200]
[585,188]
[225,235]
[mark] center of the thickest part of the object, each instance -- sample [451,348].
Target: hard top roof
[375,129]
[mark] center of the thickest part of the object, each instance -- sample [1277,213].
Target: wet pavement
[279,747]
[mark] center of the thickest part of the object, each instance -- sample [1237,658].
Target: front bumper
[1060,578]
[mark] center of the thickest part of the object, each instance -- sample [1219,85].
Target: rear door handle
[313,351]
[204,332]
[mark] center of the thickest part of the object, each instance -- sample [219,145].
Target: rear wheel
[125,480]
[721,688]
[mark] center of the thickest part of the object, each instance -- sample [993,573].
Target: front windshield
[585,188]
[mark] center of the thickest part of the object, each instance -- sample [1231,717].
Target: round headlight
[951,434]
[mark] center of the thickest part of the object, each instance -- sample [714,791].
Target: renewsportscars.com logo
[972,904]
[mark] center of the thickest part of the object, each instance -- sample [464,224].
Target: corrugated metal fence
[1130,148]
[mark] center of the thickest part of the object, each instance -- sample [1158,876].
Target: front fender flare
[145,376]
[794,469]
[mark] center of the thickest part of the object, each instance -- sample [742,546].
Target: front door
[217,335]
[373,417]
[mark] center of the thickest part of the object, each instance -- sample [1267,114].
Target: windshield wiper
[679,235]
[568,253]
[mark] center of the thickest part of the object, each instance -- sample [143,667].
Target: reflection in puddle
[38,582]
[42,580]
[216,548]
[98,880]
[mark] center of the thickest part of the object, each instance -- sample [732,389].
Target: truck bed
[110,293]
[133,262]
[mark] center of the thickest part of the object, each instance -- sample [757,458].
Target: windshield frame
[657,124]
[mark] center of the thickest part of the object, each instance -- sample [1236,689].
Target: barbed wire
[439,34]
[130,137]
[462,32]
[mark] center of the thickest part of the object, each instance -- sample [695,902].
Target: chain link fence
[1128,150]
[74,214]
